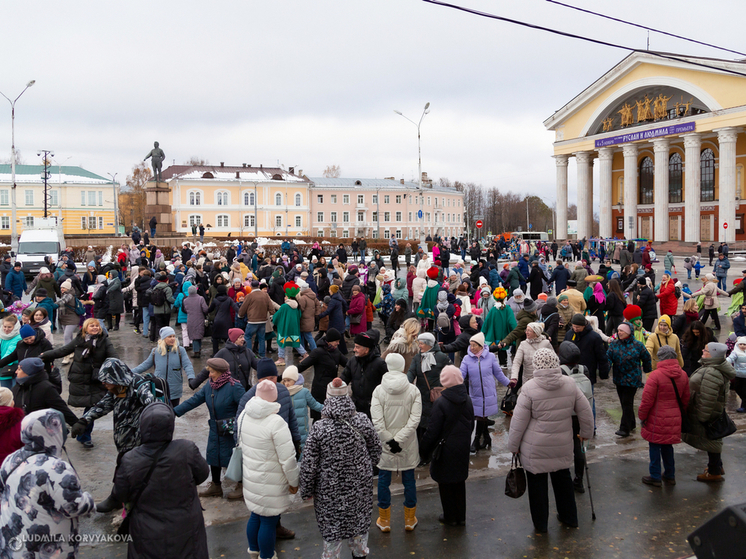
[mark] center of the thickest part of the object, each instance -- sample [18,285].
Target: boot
[237,493]
[108,505]
[197,354]
[708,477]
[410,520]
[282,533]
[253,554]
[213,490]
[384,519]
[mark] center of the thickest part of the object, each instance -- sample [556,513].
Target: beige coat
[541,427]
[525,356]
[710,289]
[396,409]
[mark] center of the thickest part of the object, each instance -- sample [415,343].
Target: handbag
[686,426]
[226,426]
[515,481]
[234,471]
[709,301]
[356,318]
[124,527]
[720,427]
[434,392]
[509,401]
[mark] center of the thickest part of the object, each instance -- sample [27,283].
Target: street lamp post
[13,228]
[419,167]
[115,186]
[256,216]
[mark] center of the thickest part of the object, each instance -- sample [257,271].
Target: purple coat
[478,373]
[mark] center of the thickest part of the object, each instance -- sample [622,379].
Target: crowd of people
[405,371]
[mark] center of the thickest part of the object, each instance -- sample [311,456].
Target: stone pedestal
[158,204]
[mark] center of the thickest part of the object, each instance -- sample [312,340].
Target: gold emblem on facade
[660,106]
[608,123]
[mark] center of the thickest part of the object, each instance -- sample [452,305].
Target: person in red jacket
[357,308]
[660,413]
[667,295]
[10,424]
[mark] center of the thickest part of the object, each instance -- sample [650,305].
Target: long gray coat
[115,296]
[196,309]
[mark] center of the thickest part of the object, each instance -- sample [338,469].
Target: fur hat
[267,390]
[337,387]
[545,358]
[365,340]
[451,376]
[395,363]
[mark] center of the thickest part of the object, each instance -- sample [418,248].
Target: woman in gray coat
[116,301]
[196,308]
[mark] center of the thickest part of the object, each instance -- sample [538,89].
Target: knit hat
[529,305]
[395,363]
[41,292]
[741,340]
[290,373]
[44,270]
[365,340]
[545,358]
[291,289]
[333,289]
[666,352]
[31,366]
[717,351]
[631,312]
[451,376]
[333,335]
[710,277]
[578,319]
[6,397]
[67,284]
[220,365]
[562,297]
[627,326]
[265,368]
[267,390]
[477,338]
[221,289]
[18,264]
[542,297]
[27,331]
[234,334]
[337,387]
[642,280]
[536,327]
[432,273]
[552,301]
[427,338]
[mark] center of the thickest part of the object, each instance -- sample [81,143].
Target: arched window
[222,198]
[195,219]
[298,200]
[222,220]
[278,199]
[248,198]
[707,177]
[647,176]
[674,178]
[195,198]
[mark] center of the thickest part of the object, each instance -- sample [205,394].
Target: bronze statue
[660,109]
[608,123]
[626,113]
[157,156]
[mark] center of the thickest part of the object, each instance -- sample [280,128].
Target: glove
[296,444]
[193,384]
[394,446]
[79,428]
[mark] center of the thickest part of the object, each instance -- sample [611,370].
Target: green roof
[69,170]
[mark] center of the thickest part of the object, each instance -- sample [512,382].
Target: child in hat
[302,400]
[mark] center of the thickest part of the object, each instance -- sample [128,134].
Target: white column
[692,146]
[561,162]
[606,158]
[660,227]
[583,159]
[589,206]
[727,183]
[630,190]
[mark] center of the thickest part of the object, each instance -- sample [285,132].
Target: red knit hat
[631,312]
[432,273]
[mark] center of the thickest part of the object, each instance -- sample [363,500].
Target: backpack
[77,307]
[443,322]
[158,387]
[157,296]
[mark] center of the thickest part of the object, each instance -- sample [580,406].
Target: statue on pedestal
[157,156]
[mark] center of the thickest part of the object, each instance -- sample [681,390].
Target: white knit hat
[478,338]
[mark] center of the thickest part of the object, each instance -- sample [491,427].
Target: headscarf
[598,293]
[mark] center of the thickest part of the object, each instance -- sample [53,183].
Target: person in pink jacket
[660,414]
[357,307]
[541,433]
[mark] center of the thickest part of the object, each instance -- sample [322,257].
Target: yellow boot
[410,520]
[384,519]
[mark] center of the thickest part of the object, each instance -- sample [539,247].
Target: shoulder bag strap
[147,477]
[678,398]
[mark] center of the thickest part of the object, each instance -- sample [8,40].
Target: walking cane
[583,446]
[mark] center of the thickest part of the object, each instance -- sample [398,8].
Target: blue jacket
[336,311]
[168,367]
[628,359]
[559,277]
[287,412]
[49,305]
[721,267]
[739,325]
[16,282]
[523,268]
[302,400]
[221,404]
[182,317]
[494,279]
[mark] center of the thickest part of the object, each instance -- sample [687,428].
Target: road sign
[479,224]
[549,231]
[530,225]
[419,214]
[725,225]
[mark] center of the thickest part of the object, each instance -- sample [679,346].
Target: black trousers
[564,497]
[577,449]
[627,399]
[453,500]
[215,472]
[647,323]
[740,387]
[161,320]
[714,463]
[704,314]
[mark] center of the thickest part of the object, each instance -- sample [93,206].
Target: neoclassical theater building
[669,134]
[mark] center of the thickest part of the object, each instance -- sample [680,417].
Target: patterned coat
[337,470]
[41,493]
[625,357]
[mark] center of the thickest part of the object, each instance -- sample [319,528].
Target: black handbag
[515,482]
[686,426]
[438,450]
[720,428]
[124,527]
[509,401]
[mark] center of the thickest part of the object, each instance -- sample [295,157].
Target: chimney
[401,181]
[222,164]
[291,170]
[261,165]
[300,172]
[238,174]
[244,165]
[389,178]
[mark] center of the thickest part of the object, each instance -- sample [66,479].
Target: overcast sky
[311,84]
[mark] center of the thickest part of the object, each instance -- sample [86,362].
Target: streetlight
[419,175]
[13,228]
[115,186]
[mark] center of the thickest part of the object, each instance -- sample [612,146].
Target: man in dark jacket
[153,223]
[592,352]
[136,236]
[470,326]
[34,392]
[5,269]
[325,360]
[33,343]
[365,370]
[351,280]
[645,299]
[169,503]
[559,277]
[16,281]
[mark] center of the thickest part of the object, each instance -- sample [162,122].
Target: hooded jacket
[541,427]
[325,362]
[40,492]
[336,311]
[418,285]
[478,373]
[659,410]
[168,367]
[287,411]
[658,339]
[302,402]
[167,522]
[348,283]
[592,352]
[37,393]
[461,343]
[524,357]
[628,359]
[287,320]
[396,409]
[667,294]
[309,308]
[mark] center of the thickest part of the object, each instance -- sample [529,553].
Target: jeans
[281,351]
[310,342]
[152,231]
[722,282]
[86,436]
[463,254]
[564,497]
[658,451]
[196,346]
[145,320]
[259,330]
[260,531]
[410,489]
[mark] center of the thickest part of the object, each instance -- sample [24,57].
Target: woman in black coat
[336,311]
[325,360]
[615,305]
[451,419]
[167,522]
[222,305]
[239,357]
[536,279]
[142,284]
[470,326]
[341,254]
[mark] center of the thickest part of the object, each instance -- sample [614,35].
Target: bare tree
[197,161]
[132,199]
[332,172]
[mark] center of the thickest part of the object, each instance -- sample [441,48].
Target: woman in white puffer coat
[535,340]
[270,471]
[396,409]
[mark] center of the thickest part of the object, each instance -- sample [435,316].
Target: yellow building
[238,200]
[668,132]
[83,200]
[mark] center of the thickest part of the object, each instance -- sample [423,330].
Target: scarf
[222,380]
[598,293]
[427,361]
[478,353]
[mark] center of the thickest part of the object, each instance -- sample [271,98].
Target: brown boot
[410,520]
[708,477]
[384,519]
[282,533]
[213,490]
[237,493]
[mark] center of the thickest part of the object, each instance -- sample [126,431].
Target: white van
[43,240]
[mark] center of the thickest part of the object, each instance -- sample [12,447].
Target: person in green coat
[498,323]
[426,310]
[514,279]
[709,387]
[287,321]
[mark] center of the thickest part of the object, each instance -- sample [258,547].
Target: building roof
[228,173]
[59,174]
[389,184]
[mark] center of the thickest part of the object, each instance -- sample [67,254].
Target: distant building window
[30,197]
[100,197]
[298,200]
[345,217]
[4,198]
[84,222]
[332,233]
[375,217]
[674,178]
[82,200]
[4,222]
[428,200]
[707,178]
[91,197]
[54,197]
[248,198]
[248,220]
[410,216]
[398,198]
[346,234]
[398,233]
[375,233]
[278,221]
[361,199]
[100,222]
[320,233]
[398,216]
[278,199]
[387,216]
[334,198]
[195,220]
[333,217]
[375,199]
[386,198]
[345,198]
[361,216]
[319,217]
[195,199]
[320,198]
[298,221]
[30,221]
[386,234]
[223,220]
[647,178]
[222,198]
